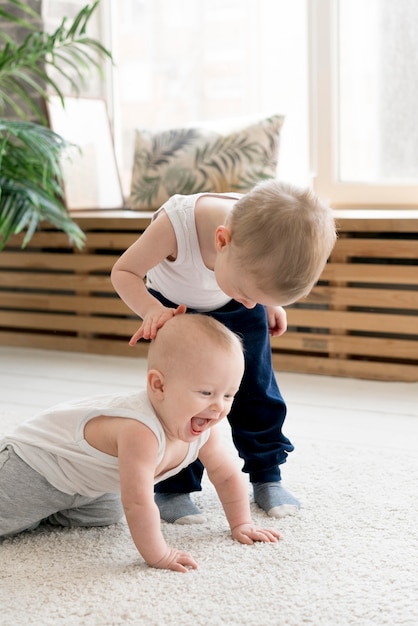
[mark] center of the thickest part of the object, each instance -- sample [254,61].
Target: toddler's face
[200,392]
[239,284]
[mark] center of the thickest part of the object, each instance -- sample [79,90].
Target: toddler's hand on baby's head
[136,336]
[153,320]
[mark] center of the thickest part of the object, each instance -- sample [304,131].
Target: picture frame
[90,172]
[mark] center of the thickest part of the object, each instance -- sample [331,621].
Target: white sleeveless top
[53,443]
[187,280]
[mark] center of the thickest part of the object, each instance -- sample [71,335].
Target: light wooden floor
[319,407]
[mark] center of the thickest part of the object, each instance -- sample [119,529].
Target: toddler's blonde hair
[282,236]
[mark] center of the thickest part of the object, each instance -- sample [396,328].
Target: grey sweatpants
[26,499]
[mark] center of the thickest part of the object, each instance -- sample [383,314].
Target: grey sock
[275,500]
[177,508]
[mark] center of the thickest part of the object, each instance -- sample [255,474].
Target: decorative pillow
[192,160]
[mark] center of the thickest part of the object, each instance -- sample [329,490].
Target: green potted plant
[31,189]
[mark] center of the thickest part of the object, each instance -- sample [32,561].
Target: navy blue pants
[258,410]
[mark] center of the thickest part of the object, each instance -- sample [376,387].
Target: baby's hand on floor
[247,533]
[177,561]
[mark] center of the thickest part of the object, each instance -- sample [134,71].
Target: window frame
[324,136]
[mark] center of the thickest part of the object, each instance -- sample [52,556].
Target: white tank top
[53,443]
[187,280]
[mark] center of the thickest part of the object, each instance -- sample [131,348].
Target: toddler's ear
[155,381]
[222,237]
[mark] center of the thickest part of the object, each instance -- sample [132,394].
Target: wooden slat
[371,273]
[373,370]
[73,344]
[376,248]
[68,323]
[113,220]
[106,240]
[347,344]
[347,320]
[40,239]
[56,282]
[377,220]
[111,241]
[71,303]
[67,262]
[364,297]
[53,296]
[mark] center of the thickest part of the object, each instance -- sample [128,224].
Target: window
[181,61]
[366,97]
[343,72]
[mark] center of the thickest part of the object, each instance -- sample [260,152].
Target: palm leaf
[167,144]
[243,183]
[31,189]
[6,15]
[226,156]
[25,206]
[146,189]
[30,62]
[31,181]
[183,180]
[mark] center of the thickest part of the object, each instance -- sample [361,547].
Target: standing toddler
[240,259]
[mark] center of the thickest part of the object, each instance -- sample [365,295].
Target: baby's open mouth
[198,424]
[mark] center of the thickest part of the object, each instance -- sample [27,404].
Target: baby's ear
[155,381]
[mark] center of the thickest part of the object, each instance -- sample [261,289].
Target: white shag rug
[349,558]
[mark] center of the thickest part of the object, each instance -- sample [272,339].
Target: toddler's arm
[153,320]
[231,487]
[277,320]
[157,243]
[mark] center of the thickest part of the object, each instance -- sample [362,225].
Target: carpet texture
[349,558]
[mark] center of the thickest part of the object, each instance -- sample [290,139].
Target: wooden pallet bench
[361,320]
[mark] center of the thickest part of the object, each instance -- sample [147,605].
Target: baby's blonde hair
[282,236]
[191,334]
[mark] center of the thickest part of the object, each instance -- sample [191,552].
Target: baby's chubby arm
[157,243]
[137,455]
[231,487]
